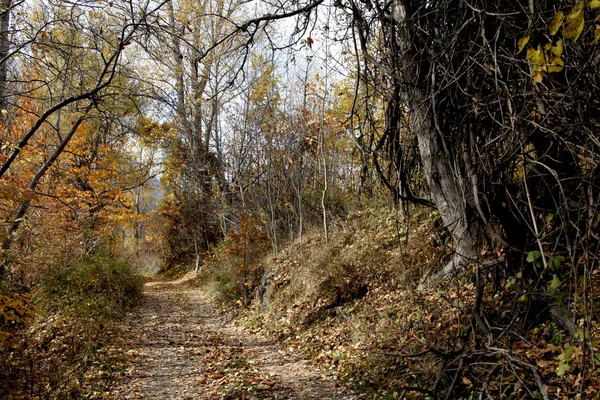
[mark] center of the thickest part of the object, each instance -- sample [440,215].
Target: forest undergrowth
[60,335]
[353,305]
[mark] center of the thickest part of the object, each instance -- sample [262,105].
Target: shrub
[66,352]
[234,267]
[99,284]
[16,313]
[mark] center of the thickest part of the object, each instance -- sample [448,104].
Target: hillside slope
[353,305]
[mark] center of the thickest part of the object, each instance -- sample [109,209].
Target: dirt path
[181,347]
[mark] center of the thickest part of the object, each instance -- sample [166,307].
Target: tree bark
[5,6]
[449,185]
[450,193]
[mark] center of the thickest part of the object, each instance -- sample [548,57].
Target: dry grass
[68,350]
[370,249]
[353,306]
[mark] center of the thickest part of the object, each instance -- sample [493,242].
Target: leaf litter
[180,346]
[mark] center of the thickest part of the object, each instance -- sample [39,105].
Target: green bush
[98,285]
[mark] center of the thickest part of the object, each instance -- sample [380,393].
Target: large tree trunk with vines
[449,181]
[450,189]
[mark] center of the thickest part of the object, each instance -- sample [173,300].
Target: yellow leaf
[522,43]
[556,64]
[573,30]
[556,23]
[557,49]
[594,4]
[596,35]
[535,56]
[537,77]
[577,7]
[574,23]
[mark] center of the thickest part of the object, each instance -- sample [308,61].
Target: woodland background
[310,160]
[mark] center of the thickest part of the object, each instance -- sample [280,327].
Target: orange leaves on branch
[15,312]
[250,238]
[81,198]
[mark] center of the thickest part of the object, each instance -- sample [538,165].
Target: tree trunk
[179,72]
[448,183]
[4,49]
[449,190]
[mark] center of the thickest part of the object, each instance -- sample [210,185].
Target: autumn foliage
[235,265]
[435,184]
[66,203]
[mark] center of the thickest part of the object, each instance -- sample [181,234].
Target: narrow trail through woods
[182,347]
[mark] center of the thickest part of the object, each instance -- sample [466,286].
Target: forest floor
[180,346]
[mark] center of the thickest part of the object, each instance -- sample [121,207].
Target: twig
[535,227]
[442,354]
[461,363]
[403,355]
[477,306]
[439,376]
[538,380]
